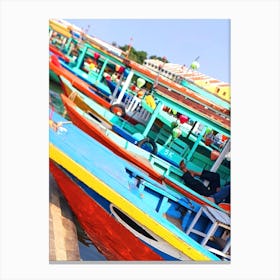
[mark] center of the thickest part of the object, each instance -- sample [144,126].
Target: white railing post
[221,157]
[125,86]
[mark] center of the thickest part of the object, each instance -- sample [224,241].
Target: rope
[71,96]
[55,126]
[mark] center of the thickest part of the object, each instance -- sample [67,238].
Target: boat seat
[152,134]
[140,127]
[202,161]
[160,165]
[163,136]
[175,173]
[218,222]
[169,156]
[124,134]
[168,146]
[179,146]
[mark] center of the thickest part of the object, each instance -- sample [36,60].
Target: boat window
[132,224]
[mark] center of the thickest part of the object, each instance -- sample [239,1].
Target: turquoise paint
[206,94]
[67,46]
[94,157]
[100,75]
[152,119]
[80,58]
[166,151]
[195,145]
[195,116]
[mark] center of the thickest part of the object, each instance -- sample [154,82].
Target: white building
[177,73]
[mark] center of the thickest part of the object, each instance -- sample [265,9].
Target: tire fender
[118,110]
[150,142]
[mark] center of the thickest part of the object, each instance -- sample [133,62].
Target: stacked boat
[116,150]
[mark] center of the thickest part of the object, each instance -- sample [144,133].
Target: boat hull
[96,216]
[117,186]
[84,87]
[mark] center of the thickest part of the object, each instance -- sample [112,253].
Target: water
[88,251]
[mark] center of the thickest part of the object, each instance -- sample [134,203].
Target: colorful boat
[127,215]
[92,63]
[155,167]
[64,36]
[95,91]
[158,136]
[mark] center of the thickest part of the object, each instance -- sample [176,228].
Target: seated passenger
[196,185]
[222,196]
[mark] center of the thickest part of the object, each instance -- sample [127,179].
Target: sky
[179,40]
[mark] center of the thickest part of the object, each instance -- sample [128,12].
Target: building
[178,73]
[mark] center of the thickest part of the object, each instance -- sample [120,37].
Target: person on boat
[208,137]
[222,196]
[195,184]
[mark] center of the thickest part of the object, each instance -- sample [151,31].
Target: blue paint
[112,171]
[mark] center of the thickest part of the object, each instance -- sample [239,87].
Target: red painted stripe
[59,53]
[111,238]
[78,83]
[92,130]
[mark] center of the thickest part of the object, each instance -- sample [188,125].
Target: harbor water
[88,251]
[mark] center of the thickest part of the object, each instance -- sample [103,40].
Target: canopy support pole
[196,143]
[152,119]
[221,157]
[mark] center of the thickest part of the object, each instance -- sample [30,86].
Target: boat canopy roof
[60,28]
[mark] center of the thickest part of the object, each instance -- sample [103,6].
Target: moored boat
[155,167]
[112,199]
[158,136]
[93,62]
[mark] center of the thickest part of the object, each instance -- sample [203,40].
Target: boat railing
[208,226]
[134,108]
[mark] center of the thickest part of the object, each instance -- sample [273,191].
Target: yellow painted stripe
[60,29]
[100,187]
